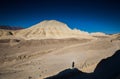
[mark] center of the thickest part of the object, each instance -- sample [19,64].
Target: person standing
[73,64]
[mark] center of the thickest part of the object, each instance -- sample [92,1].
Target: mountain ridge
[52,29]
[6,27]
[47,29]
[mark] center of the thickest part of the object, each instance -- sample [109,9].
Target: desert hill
[49,29]
[115,36]
[46,30]
[52,29]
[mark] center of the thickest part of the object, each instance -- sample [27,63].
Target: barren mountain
[51,29]
[46,30]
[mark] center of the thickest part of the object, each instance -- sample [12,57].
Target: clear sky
[87,15]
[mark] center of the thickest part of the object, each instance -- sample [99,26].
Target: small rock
[40,75]
[29,77]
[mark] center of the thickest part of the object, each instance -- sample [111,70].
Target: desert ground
[40,58]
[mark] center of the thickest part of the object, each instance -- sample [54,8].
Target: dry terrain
[21,59]
[37,52]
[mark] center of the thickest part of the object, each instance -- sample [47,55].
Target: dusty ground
[37,59]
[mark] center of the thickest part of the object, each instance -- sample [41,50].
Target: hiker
[73,64]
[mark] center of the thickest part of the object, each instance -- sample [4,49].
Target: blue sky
[87,15]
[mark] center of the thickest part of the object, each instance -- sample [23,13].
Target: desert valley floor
[39,59]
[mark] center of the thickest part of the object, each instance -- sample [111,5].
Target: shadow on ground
[107,69]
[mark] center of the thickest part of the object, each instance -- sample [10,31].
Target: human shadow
[106,69]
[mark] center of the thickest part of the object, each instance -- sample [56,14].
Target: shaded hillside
[69,74]
[106,69]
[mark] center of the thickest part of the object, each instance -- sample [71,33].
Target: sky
[87,15]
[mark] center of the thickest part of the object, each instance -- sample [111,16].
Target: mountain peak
[51,24]
[52,21]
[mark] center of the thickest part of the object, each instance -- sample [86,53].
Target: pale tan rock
[52,29]
[98,34]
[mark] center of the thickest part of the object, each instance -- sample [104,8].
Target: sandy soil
[37,59]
